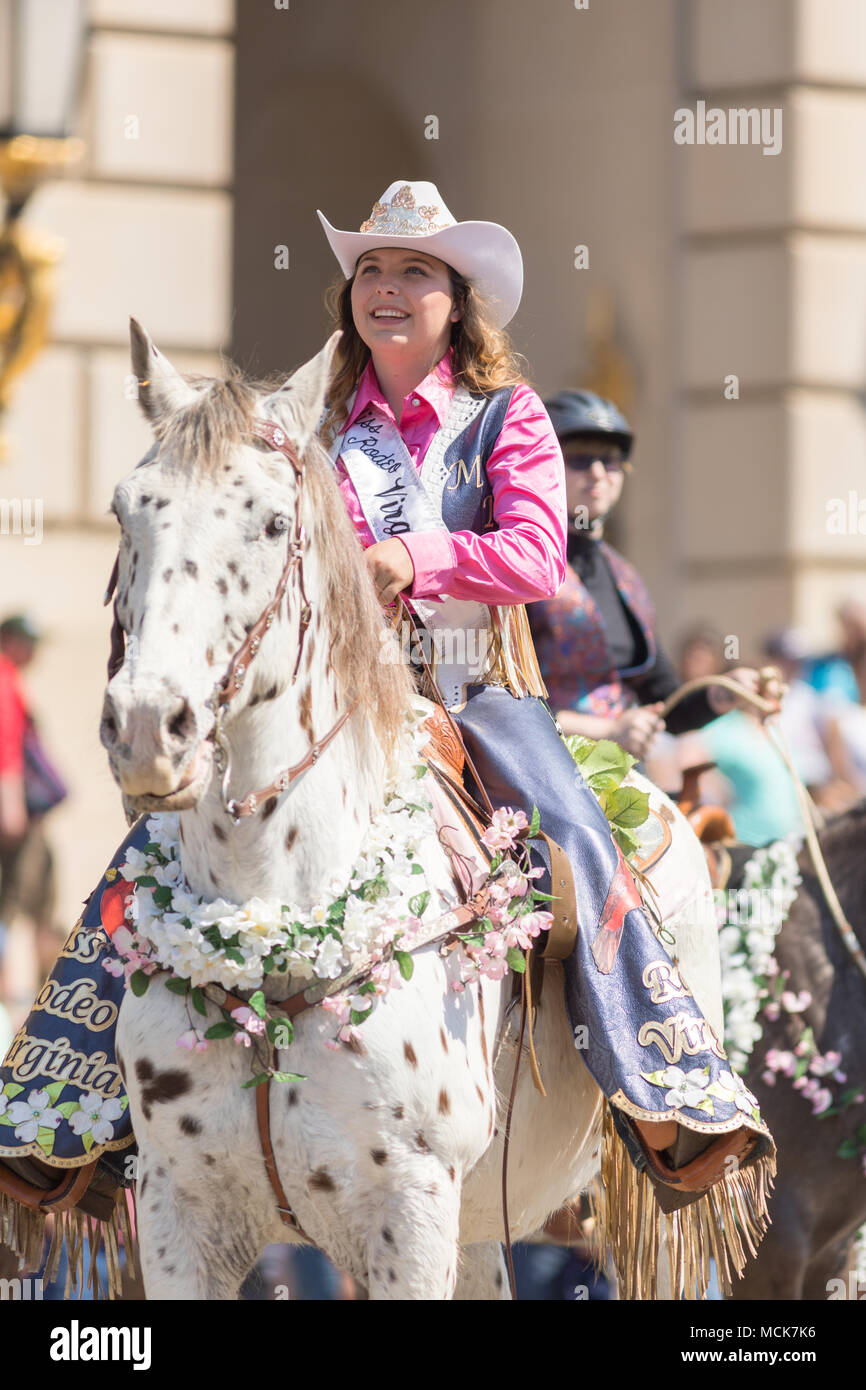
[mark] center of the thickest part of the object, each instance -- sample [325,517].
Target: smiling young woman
[452,473]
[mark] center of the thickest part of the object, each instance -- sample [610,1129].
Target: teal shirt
[765,803]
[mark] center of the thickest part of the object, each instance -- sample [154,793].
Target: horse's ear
[299,401]
[161,388]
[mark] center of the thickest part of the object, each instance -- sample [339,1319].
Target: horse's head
[207,520]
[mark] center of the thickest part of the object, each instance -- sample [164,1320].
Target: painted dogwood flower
[732,1089]
[686,1087]
[96,1117]
[33,1114]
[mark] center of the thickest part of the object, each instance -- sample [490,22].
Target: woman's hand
[391,568]
[765,683]
[635,729]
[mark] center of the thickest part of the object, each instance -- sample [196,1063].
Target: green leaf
[147,881]
[45,1140]
[860,1132]
[232,953]
[516,960]
[801,1068]
[12,1089]
[539,897]
[138,983]
[53,1090]
[287,1076]
[627,806]
[6,1120]
[418,904]
[357,1016]
[162,895]
[268,964]
[87,1141]
[198,1002]
[176,986]
[257,1004]
[220,1030]
[406,964]
[625,840]
[256,1080]
[849,1148]
[67,1108]
[417,868]
[420,771]
[534,824]
[606,759]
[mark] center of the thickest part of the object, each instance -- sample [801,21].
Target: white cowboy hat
[414,215]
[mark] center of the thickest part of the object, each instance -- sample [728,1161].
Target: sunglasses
[613,462]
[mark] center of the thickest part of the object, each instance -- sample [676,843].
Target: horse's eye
[278,524]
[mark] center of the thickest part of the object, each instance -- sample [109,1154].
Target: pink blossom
[243,1039]
[193,1041]
[772,1011]
[821,1100]
[781,1061]
[337,1004]
[249,1019]
[457,986]
[331,1045]
[802,1049]
[796,1003]
[769,1077]
[800,1084]
[348,1033]
[772,968]
[823,1066]
[494,968]
[504,827]
[534,922]
[113,966]
[385,975]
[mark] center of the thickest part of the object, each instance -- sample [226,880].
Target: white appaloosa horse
[389,1153]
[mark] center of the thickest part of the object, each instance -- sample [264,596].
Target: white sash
[395,498]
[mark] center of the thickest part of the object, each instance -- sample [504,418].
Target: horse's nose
[149,738]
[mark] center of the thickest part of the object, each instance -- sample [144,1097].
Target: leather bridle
[228,686]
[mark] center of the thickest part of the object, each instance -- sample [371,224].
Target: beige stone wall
[774,291]
[146,222]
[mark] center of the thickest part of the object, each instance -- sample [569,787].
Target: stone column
[772,436]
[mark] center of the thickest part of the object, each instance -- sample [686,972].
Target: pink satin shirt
[526,558]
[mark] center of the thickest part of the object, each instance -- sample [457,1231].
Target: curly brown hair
[484,358]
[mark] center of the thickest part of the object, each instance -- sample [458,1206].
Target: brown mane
[201,437]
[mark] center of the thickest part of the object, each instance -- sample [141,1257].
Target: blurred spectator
[761,797]
[833,674]
[29,788]
[803,720]
[846,733]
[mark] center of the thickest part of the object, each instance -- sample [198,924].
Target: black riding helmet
[582,412]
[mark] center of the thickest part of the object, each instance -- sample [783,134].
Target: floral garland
[753,984]
[366,927]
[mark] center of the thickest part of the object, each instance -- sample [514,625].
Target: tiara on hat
[401,217]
